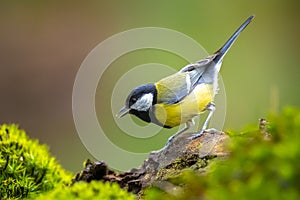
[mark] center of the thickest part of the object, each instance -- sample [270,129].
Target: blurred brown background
[42,44]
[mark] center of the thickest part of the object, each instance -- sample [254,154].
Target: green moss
[258,168]
[185,163]
[90,191]
[26,167]
[164,173]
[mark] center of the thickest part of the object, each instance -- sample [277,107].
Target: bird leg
[188,125]
[211,108]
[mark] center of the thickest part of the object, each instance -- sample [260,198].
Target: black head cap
[138,92]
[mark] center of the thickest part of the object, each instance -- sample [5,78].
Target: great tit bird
[180,97]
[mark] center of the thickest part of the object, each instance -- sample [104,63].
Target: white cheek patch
[144,103]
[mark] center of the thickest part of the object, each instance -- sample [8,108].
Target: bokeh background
[42,44]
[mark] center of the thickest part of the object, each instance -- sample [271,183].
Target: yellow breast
[191,106]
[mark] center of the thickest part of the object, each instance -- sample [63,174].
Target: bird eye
[133,99]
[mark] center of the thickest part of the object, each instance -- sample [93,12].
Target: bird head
[139,100]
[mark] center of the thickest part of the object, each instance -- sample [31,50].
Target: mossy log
[182,153]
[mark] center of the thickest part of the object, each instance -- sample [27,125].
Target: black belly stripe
[155,120]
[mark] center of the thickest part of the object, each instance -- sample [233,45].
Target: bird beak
[124,111]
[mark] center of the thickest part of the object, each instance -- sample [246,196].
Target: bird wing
[176,87]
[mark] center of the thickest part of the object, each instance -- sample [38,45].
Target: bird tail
[223,50]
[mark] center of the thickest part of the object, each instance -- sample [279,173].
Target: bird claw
[211,131]
[196,135]
[162,149]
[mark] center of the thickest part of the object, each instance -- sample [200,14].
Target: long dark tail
[221,52]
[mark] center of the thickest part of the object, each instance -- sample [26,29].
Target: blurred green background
[42,44]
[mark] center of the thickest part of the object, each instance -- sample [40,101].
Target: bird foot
[211,131]
[196,135]
[160,150]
